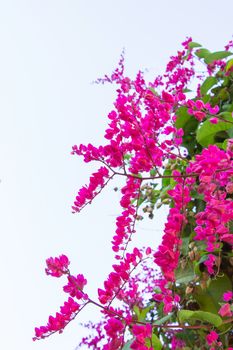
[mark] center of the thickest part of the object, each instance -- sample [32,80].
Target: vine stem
[155,177]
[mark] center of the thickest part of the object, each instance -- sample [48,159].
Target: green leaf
[203,258]
[224,145]
[208,83]
[197,195]
[202,53]
[136,310]
[209,298]
[127,156]
[155,342]
[142,313]
[228,107]
[163,319]
[185,245]
[215,56]
[230,132]
[206,133]
[187,90]
[153,172]
[187,315]
[185,121]
[166,180]
[141,200]
[184,275]
[193,44]
[229,64]
[223,94]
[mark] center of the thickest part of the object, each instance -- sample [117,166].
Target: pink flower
[113,327]
[141,333]
[211,338]
[57,267]
[213,110]
[87,193]
[75,287]
[227,296]
[199,115]
[167,97]
[210,263]
[225,310]
[214,120]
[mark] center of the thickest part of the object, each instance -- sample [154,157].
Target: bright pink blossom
[227,296]
[61,319]
[212,337]
[225,310]
[58,266]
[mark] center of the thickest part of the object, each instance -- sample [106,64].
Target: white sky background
[50,51]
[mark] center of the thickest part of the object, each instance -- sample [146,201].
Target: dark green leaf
[185,275]
[185,121]
[228,107]
[223,94]
[209,298]
[197,195]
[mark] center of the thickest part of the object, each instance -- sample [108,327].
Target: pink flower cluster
[122,270]
[133,139]
[169,299]
[114,329]
[226,310]
[214,167]
[57,324]
[212,340]
[142,336]
[168,252]
[126,221]
[199,110]
[137,150]
[87,193]
[57,267]
[75,287]
[179,69]
[177,343]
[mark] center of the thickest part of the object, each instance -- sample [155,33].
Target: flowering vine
[176,150]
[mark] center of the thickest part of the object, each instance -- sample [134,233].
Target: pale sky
[50,52]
